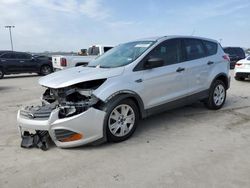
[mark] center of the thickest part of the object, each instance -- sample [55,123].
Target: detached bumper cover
[89,124]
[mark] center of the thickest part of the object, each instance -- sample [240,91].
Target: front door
[12,64]
[167,83]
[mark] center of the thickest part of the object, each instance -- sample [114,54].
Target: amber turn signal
[73,137]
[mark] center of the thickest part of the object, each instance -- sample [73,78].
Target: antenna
[193,32]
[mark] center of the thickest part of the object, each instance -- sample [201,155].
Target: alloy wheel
[219,95]
[121,120]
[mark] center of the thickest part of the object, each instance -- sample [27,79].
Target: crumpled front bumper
[89,124]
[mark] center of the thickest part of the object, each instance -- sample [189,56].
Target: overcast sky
[70,25]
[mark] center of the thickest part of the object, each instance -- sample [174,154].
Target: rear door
[167,83]
[199,65]
[26,62]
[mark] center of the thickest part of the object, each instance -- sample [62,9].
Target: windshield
[248,58]
[121,55]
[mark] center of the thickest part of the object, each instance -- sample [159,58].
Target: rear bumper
[242,74]
[89,124]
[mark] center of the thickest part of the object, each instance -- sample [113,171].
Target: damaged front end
[70,116]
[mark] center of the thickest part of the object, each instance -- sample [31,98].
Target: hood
[76,75]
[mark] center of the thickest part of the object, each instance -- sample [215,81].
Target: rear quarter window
[211,47]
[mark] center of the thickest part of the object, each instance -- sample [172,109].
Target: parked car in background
[12,62]
[242,69]
[105,100]
[235,54]
[63,62]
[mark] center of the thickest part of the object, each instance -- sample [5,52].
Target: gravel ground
[186,147]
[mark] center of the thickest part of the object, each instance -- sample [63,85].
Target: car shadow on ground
[164,121]
[2,88]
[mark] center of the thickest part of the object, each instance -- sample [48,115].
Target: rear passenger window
[23,56]
[194,49]
[211,47]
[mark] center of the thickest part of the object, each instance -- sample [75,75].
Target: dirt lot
[187,147]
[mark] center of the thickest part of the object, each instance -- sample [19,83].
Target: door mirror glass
[153,63]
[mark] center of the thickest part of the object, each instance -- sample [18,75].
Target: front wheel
[217,95]
[45,70]
[121,120]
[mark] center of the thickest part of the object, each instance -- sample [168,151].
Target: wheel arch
[224,78]
[127,94]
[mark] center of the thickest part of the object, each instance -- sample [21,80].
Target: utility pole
[10,27]
[220,40]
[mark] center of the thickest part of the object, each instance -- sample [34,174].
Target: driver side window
[169,51]
[9,56]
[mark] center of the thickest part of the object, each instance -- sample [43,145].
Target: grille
[37,112]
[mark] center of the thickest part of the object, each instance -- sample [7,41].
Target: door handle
[180,69]
[3,60]
[21,61]
[210,63]
[139,81]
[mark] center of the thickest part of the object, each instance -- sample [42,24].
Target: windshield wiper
[105,67]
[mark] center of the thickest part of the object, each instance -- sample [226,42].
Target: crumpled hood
[76,75]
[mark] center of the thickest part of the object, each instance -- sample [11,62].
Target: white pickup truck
[63,62]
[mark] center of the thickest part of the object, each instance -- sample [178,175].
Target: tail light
[239,64]
[63,62]
[226,57]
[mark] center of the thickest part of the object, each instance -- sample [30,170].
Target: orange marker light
[73,137]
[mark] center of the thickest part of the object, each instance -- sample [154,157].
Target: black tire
[239,78]
[210,101]
[45,70]
[112,105]
[1,73]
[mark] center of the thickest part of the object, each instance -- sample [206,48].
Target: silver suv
[105,100]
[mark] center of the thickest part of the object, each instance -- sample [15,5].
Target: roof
[159,38]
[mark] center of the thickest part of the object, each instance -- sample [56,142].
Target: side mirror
[153,63]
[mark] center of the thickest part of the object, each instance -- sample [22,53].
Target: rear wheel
[217,95]
[121,120]
[1,73]
[45,70]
